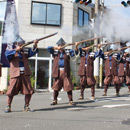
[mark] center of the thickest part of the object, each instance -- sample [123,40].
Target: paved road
[105,113]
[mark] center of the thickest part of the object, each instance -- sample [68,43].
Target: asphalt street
[105,113]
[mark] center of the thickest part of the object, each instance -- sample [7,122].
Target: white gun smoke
[128,49]
[11,28]
[114,25]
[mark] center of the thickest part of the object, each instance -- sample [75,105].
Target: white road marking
[104,100]
[118,105]
[78,108]
[122,98]
[104,106]
[113,99]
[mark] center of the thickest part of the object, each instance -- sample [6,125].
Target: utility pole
[96,62]
[102,42]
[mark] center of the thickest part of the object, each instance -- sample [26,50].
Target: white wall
[30,32]
[3,79]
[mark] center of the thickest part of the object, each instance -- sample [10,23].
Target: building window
[83,18]
[46,13]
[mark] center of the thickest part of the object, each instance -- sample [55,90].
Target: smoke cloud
[128,49]
[114,25]
[11,28]
[115,46]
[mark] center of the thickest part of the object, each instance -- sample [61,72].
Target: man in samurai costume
[124,70]
[86,69]
[61,70]
[111,70]
[19,72]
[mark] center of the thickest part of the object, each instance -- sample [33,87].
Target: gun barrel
[30,42]
[81,41]
[123,48]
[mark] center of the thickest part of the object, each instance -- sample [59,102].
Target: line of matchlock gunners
[20,72]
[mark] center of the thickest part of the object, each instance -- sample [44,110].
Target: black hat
[61,42]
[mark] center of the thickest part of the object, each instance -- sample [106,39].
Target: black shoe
[27,109]
[54,102]
[7,109]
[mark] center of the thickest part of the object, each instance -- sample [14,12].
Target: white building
[38,18]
